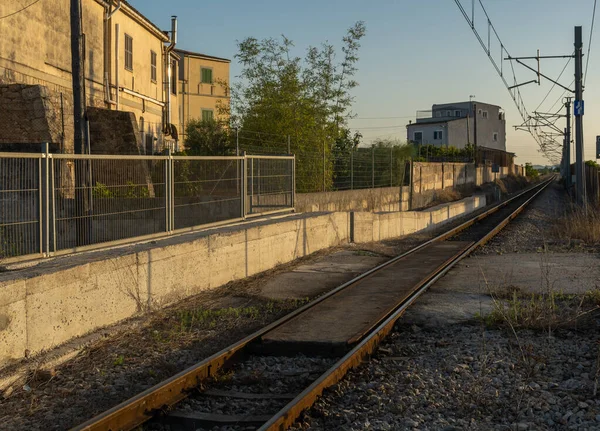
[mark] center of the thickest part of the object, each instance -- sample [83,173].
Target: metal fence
[322,168]
[53,203]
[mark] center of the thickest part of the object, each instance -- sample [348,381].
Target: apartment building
[129,66]
[458,124]
[203,87]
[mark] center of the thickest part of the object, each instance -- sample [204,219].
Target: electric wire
[20,10]
[587,61]
[553,85]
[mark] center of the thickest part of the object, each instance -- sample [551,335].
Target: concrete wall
[56,301]
[370,226]
[380,199]
[429,178]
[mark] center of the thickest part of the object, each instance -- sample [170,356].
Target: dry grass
[580,224]
[446,195]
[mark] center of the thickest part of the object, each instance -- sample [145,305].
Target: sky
[415,53]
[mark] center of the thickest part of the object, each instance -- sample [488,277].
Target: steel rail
[144,406]
[290,413]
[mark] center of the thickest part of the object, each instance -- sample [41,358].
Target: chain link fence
[57,203]
[324,167]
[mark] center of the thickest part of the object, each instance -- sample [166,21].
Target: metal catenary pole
[475,134]
[579,157]
[568,145]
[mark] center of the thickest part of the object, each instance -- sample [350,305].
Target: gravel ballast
[467,377]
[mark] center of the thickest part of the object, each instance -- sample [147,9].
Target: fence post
[323,165]
[45,200]
[352,168]
[391,166]
[293,161]
[443,176]
[373,167]
[243,186]
[410,185]
[169,189]
[251,185]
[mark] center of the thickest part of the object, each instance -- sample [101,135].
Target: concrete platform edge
[40,310]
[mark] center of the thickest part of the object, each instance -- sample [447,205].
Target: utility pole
[475,134]
[579,168]
[82,200]
[471,97]
[568,145]
[77,76]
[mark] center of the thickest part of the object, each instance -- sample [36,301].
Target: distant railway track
[267,379]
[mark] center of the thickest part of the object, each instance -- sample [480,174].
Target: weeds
[119,360]
[580,223]
[202,318]
[546,311]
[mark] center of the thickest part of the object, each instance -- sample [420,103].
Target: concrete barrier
[58,300]
[381,226]
[377,199]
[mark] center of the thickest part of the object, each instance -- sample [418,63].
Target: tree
[530,171]
[208,138]
[343,147]
[382,164]
[306,99]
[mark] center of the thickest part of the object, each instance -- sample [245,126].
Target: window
[437,135]
[207,114]
[495,137]
[128,52]
[206,76]
[153,66]
[485,114]
[448,113]
[418,137]
[457,113]
[479,112]
[438,114]
[174,77]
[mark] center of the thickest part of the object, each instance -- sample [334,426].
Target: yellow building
[127,62]
[203,87]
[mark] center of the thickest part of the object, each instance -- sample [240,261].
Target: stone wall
[29,115]
[114,132]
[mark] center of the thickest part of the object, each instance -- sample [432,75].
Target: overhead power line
[20,10]
[547,142]
[377,128]
[587,60]
[554,85]
[381,118]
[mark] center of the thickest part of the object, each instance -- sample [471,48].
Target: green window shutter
[207,115]
[206,76]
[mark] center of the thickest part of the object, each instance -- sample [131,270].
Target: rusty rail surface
[161,397]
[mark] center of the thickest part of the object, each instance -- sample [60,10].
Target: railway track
[267,379]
